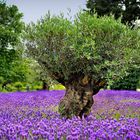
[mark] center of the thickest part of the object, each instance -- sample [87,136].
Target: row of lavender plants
[34,116]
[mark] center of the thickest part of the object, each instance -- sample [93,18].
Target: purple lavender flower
[34,115]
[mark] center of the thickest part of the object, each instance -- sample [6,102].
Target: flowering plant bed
[34,116]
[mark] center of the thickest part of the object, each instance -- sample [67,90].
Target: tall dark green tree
[11,27]
[128,9]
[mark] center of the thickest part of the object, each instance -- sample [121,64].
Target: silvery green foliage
[97,47]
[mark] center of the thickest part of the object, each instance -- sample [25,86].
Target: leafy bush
[138,86]
[9,88]
[131,81]
[37,87]
[18,85]
[57,87]
[1,80]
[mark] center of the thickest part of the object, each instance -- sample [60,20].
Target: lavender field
[34,116]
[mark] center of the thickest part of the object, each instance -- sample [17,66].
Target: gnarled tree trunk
[78,99]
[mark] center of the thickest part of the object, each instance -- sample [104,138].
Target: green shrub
[37,87]
[129,82]
[138,86]
[18,85]
[10,88]
[0,87]
[57,87]
[1,80]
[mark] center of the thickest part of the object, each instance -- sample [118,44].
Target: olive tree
[82,55]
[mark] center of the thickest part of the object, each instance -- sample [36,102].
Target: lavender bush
[33,116]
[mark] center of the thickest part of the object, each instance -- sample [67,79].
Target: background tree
[83,55]
[128,9]
[11,28]
[128,82]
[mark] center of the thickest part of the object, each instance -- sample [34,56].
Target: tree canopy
[10,25]
[129,11]
[100,48]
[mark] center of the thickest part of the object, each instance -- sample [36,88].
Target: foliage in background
[57,87]
[14,64]
[128,9]
[1,80]
[18,85]
[129,82]
[11,28]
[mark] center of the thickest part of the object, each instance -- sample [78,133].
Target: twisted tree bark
[78,99]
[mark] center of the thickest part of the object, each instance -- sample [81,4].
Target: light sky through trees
[35,9]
